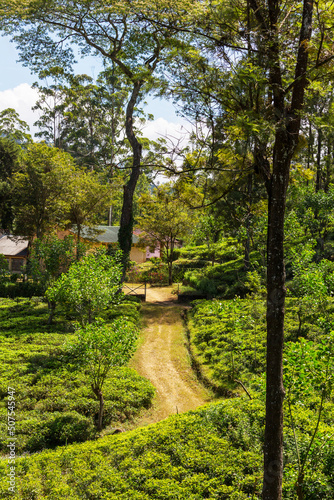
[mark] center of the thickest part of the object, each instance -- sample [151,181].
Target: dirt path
[163,358]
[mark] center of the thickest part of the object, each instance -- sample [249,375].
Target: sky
[16,92]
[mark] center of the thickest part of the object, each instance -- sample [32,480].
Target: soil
[162,357]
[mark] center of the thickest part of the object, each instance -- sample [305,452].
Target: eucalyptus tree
[12,127]
[116,32]
[84,117]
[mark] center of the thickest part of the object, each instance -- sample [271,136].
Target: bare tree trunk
[126,226]
[101,408]
[276,292]
[318,183]
[99,395]
[286,116]
[52,308]
[77,253]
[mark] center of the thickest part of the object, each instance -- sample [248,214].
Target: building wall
[15,264]
[138,255]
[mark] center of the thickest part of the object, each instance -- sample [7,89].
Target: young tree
[49,258]
[164,219]
[89,286]
[99,348]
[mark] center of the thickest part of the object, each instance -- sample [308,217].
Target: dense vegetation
[55,403]
[214,452]
[253,186]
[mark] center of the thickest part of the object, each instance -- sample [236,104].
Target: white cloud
[171,131]
[21,98]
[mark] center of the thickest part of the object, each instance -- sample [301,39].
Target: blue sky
[16,80]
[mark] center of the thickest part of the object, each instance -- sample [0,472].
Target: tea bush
[195,455]
[228,337]
[214,452]
[55,404]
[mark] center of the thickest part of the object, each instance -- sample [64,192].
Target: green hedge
[14,289]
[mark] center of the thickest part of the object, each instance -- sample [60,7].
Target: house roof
[107,234]
[13,246]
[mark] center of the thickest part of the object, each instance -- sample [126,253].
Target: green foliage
[9,155]
[222,280]
[99,347]
[40,189]
[50,257]
[19,288]
[164,219]
[82,116]
[87,201]
[12,127]
[55,404]
[211,453]
[88,288]
[153,271]
[127,309]
[227,249]
[229,339]
[309,377]
[3,267]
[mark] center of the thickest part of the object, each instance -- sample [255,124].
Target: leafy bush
[128,309]
[224,280]
[228,338]
[49,385]
[226,250]
[153,271]
[89,287]
[202,454]
[213,452]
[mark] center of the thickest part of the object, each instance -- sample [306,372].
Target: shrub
[48,384]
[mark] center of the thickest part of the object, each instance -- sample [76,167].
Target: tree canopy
[255,77]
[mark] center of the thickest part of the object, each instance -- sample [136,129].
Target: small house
[15,250]
[108,235]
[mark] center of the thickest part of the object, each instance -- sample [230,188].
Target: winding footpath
[162,357]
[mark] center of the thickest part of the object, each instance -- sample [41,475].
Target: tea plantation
[55,403]
[214,452]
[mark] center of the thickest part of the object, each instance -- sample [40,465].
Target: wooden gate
[138,291]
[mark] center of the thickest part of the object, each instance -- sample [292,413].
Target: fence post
[145,292]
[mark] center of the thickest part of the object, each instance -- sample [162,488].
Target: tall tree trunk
[318,183]
[328,165]
[248,221]
[126,226]
[77,252]
[287,121]
[276,292]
